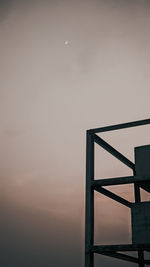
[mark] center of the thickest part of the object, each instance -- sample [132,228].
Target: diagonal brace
[113,196]
[114,152]
[120,256]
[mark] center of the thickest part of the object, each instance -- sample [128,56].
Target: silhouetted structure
[140,211]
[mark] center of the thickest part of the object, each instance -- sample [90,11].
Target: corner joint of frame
[90,132]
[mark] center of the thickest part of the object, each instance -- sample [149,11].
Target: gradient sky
[67,66]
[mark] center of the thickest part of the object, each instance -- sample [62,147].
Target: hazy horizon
[67,66]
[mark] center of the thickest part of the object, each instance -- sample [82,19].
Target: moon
[66,42]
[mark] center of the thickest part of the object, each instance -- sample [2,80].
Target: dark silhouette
[140,211]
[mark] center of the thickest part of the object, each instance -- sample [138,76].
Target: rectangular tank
[142,160]
[141,223]
[140,212]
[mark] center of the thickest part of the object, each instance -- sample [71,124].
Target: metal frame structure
[92,185]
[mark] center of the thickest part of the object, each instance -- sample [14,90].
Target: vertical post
[89,219]
[138,199]
[140,165]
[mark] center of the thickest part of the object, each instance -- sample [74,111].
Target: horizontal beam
[113,196]
[114,248]
[120,126]
[120,256]
[113,152]
[142,181]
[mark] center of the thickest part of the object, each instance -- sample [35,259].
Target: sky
[67,66]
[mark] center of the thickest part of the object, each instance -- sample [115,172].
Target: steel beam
[145,186]
[120,256]
[120,126]
[89,219]
[91,185]
[121,180]
[113,152]
[113,196]
[114,248]
[137,196]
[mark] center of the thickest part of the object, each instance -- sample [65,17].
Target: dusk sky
[67,66]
